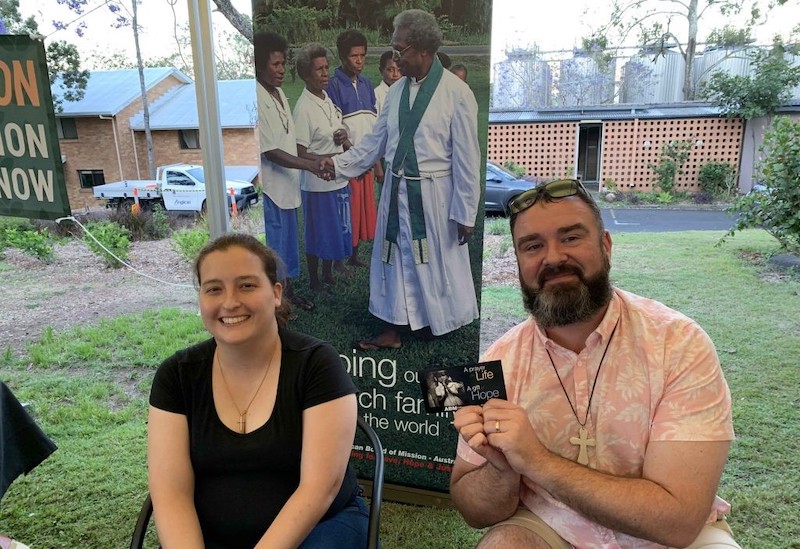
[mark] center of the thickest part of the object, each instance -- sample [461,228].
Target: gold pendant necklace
[242,421]
[583,439]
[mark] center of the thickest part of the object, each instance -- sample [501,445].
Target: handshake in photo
[325,168]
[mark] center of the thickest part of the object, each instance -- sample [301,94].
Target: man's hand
[464,234]
[508,430]
[327,168]
[469,422]
[314,165]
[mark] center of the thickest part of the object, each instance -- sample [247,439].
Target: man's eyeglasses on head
[398,54]
[560,188]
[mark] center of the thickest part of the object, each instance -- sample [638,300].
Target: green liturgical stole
[404,165]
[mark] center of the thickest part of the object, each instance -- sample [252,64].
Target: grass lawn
[88,391]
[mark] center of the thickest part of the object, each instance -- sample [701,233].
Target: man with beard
[618,419]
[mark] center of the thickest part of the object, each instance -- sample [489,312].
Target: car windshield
[197,173]
[499,172]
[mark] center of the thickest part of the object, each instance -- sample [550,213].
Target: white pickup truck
[180,187]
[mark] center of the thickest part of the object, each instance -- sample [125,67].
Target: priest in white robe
[420,274]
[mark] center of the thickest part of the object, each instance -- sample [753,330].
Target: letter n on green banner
[32,181]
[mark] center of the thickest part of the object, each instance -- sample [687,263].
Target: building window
[66,128]
[190,139]
[91,178]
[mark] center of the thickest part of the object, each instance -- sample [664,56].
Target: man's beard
[567,303]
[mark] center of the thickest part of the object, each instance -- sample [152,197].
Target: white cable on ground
[109,252]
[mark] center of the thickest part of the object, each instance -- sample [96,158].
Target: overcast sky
[517,23]
[522,24]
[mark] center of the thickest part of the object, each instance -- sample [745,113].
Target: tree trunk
[145,107]
[691,50]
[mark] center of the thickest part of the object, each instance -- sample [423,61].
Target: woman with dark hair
[280,165]
[326,203]
[249,432]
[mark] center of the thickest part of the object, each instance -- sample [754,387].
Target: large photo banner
[31,173]
[372,128]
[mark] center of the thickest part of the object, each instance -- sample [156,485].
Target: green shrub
[496,226]
[610,185]
[777,209]
[160,226]
[670,164]
[112,238]
[24,237]
[298,24]
[664,198]
[516,169]
[717,178]
[188,242]
[146,225]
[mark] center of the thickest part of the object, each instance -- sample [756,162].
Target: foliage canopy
[777,208]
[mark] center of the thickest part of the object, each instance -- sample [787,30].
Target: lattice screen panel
[545,150]
[630,146]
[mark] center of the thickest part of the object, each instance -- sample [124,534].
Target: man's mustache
[554,272]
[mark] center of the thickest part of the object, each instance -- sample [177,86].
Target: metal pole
[208,116]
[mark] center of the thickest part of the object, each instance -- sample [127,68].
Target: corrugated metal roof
[695,109]
[177,110]
[108,92]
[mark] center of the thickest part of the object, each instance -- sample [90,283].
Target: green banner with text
[31,173]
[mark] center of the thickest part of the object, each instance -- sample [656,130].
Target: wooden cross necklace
[583,439]
[242,421]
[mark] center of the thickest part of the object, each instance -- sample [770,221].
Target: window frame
[187,144]
[71,127]
[93,176]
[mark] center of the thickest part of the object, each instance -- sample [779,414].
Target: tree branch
[240,22]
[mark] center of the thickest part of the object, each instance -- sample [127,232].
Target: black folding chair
[376,496]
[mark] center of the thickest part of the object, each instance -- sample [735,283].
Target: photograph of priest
[420,276]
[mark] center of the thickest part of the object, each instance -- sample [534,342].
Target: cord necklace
[583,439]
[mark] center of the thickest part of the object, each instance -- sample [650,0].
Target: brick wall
[547,149]
[110,146]
[94,149]
[240,147]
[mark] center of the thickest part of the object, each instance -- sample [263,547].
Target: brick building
[619,142]
[102,137]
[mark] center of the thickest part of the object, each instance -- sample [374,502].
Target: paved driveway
[640,220]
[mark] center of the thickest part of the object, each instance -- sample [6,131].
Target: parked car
[502,187]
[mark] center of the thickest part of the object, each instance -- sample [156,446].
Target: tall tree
[760,93]
[656,20]
[63,59]
[148,134]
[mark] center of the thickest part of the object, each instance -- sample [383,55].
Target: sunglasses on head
[560,188]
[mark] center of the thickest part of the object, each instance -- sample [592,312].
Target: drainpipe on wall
[116,143]
[135,154]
